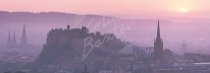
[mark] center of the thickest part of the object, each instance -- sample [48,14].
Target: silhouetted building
[14,43]
[9,41]
[158,46]
[24,41]
[150,53]
[184,46]
[68,27]
[63,45]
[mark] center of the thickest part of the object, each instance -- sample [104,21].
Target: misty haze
[157,36]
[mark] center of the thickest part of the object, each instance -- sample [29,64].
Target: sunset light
[104,36]
[183,10]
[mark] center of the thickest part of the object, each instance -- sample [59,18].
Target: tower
[184,47]
[13,43]
[68,27]
[24,40]
[9,41]
[158,46]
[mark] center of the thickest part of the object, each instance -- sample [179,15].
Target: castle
[66,47]
[12,41]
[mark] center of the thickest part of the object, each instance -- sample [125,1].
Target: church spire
[24,41]
[14,40]
[9,40]
[158,45]
[158,31]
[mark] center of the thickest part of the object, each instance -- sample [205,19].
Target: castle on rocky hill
[72,48]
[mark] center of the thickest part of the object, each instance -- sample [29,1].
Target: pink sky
[122,8]
[155,9]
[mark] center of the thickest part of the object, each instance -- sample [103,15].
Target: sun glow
[183,10]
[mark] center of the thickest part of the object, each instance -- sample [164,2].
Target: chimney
[68,27]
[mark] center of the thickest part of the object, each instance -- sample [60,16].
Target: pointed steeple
[24,40]
[9,38]
[158,31]
[158,45]
[9,41]
[14,39]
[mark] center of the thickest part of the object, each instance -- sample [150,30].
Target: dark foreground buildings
[63,51]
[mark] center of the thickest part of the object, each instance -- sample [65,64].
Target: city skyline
[104,36]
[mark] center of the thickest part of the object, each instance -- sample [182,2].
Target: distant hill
[38,24]
[141,31]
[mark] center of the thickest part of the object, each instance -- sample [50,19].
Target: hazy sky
[186,17]
[123,8]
